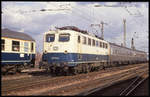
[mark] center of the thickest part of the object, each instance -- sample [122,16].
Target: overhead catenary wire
[90,20]
[80,11]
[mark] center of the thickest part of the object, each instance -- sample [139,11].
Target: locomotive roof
[125,47]
[72,28]
[17,35]
[76,29]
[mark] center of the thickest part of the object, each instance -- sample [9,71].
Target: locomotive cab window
[15,45]
[50,37]
[3,44]
[64,37]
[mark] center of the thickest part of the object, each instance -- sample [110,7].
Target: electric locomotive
[70,49]
[17,51]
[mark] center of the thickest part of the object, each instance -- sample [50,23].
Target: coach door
[79,48]
[32,46]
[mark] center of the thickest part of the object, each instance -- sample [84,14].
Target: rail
[133,85]
[111,82]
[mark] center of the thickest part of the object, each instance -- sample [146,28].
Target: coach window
[50,37]
[26,46]
[15,45]
[93,42]
[64,37]
[79,39]
[89,41]
[3,44]
[84,40]
[32,47]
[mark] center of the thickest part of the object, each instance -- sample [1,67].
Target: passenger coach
[17,51]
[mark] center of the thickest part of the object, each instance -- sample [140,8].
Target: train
[69,49]
[66,50]
[17,51]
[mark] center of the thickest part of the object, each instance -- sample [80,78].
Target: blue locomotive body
[72,59]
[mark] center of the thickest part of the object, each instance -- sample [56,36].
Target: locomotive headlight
[45,52]
[65,51]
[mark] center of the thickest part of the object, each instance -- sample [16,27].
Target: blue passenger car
[17,50]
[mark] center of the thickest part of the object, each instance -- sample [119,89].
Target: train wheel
[87,68]
[4,70]
[57,71]
[66,71]
[84,68]
[75,71]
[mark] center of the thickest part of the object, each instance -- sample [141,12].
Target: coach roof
[126,47]
[17,35]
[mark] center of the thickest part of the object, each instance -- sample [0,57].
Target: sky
[30,18]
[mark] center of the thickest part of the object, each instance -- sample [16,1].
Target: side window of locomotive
[97,43]
[106,46]
[50,37]
[100,44]
[26,46]
[79,39]
[64,37]
[15,45]
[93,42]
[103,45]
[32,47]
[2,44]
[84,40]
[89,41]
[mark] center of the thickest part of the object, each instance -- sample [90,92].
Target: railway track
[53,83]
[122,88]
[70,88]
[23,74]
[110,81]
[139,80]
